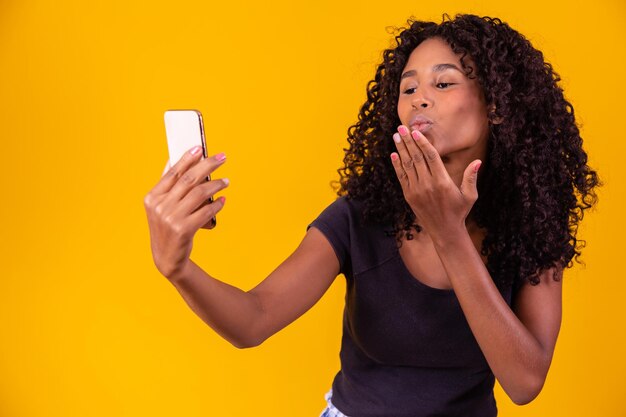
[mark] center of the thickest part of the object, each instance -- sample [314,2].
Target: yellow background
[88,327]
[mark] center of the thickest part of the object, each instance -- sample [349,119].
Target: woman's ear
[494,118]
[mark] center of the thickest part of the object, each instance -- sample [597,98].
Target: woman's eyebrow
[436,68]
[409,73]
[443,67]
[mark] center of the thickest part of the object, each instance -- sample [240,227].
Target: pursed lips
[421,123]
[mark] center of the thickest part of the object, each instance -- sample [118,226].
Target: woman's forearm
[230,311]
[515,356]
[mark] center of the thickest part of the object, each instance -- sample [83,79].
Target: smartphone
[184,130]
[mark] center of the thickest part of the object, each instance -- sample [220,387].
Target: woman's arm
[246,319]
[176,208]
[518,347]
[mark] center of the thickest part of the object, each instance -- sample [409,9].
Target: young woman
[460,197]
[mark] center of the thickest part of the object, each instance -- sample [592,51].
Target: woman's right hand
[177,207]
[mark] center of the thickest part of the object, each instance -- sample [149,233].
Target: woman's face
[438,99]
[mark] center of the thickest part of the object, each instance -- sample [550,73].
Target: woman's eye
[409,90]
[442,86]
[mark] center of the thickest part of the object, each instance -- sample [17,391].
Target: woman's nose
[419,101]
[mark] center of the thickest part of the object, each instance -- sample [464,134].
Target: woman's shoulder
[359,244]
[345,215]
[344,209]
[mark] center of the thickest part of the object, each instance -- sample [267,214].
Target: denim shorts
[331,410]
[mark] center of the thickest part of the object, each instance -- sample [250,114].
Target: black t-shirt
[407,349]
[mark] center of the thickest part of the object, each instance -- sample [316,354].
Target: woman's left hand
[440,206]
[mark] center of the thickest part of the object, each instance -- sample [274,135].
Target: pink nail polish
[394,156]
[220,157]
[396,138]
[415,134]
[195,150]
[403,130]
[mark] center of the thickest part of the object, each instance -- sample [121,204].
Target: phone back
[184,130]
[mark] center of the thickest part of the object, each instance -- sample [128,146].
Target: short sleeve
[334,223]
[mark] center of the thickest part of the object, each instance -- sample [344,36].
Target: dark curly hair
[535,184]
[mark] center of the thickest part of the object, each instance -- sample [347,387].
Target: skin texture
[452,101]
[437,174]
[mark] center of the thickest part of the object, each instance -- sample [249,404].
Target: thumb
[468,187]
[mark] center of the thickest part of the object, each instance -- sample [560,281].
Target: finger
[431,156]
[195,175]
[414,152]
[400,172]
[469,185]
[170,177]
[404,161]
[204,214]
[405,158]
[199,195]
[423,167]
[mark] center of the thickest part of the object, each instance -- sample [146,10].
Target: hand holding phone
[179,205]
[185,130]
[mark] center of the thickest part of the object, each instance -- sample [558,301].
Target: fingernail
[415,134]
[225,181]
[394,156]
[396,137]
[195,150]
[403,130]
[222,199]
[220,157]
[477,166]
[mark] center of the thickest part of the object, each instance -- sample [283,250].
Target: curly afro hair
[535,184]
